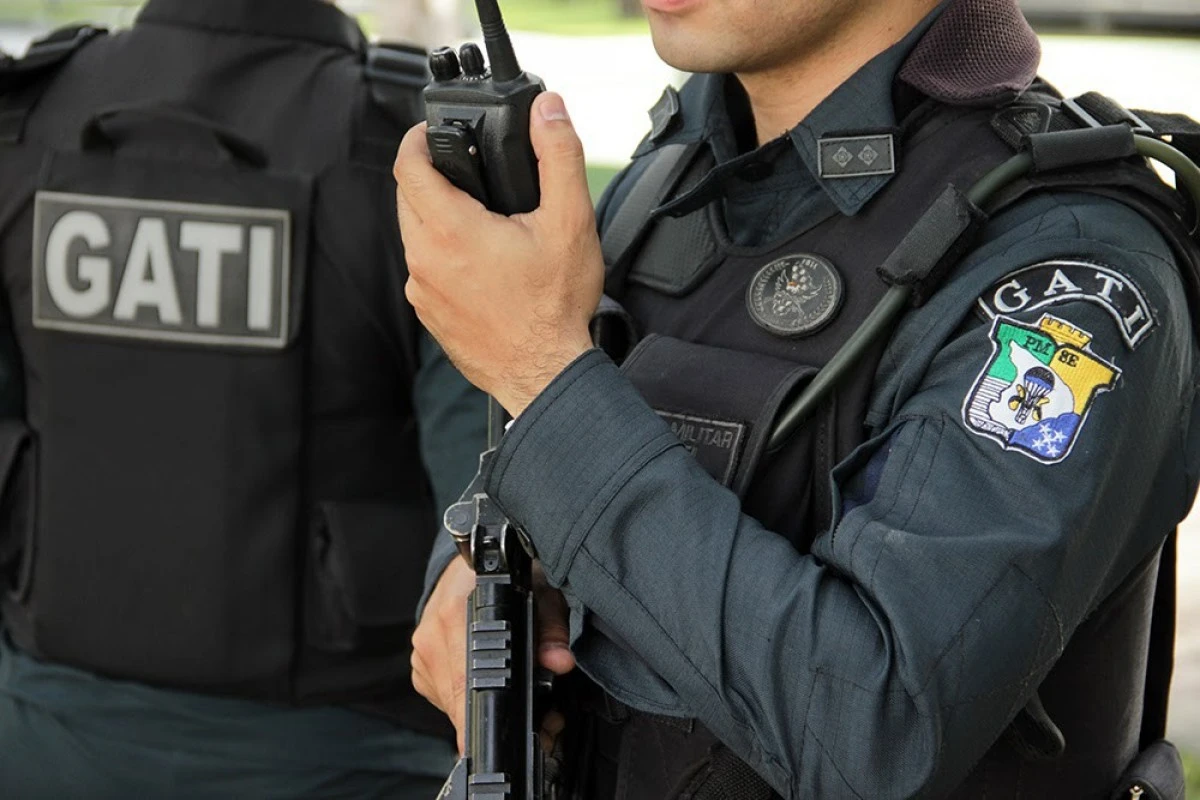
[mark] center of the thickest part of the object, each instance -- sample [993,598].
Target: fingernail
[553,109]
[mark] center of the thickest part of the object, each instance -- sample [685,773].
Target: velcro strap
[1061,149]
[1183,130]
[936,242]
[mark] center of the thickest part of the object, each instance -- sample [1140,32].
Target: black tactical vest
[216,484]
[719,379]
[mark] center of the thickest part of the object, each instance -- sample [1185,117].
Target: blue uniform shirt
[963,554]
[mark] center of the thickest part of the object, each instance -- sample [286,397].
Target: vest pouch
[720,403]
[364,577]
[17,458]
[166,393]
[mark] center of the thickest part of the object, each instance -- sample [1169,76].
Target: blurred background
[597,53]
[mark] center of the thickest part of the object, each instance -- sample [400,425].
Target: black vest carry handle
[111,127]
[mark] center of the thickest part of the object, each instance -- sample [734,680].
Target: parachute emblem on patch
[1035,391]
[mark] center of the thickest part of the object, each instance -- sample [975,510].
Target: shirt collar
[305,20]
[859,107]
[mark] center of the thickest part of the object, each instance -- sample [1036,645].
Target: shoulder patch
[1064,281]
[1034,393]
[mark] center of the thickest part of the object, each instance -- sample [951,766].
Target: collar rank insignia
[795,295]
[1034,394]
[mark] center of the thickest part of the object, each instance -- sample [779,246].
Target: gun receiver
[502,759]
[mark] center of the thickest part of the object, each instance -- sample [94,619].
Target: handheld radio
[478,117]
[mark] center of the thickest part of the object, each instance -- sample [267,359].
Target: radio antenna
[495,39]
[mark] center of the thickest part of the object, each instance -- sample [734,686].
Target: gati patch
[1067,281]
[1034,393]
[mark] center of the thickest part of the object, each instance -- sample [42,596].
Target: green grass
[1191,766]
[598,177]
[571,17]
[566,17]
[61,12]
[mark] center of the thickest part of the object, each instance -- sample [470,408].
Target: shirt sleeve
[452,420]
[885,662]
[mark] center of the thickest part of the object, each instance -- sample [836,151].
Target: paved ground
[608,83]
[1184,722]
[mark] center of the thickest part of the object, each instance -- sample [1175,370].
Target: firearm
[478,136]
[502,758]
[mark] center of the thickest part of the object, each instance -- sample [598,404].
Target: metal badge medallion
[795,295]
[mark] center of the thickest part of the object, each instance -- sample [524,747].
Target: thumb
[559,153]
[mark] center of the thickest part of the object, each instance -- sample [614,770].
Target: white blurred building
[1107,14]
[426,22]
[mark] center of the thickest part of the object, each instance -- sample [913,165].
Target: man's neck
[782,96]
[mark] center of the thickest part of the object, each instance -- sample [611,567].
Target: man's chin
[684,53]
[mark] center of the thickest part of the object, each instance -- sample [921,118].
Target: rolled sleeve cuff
[570,453]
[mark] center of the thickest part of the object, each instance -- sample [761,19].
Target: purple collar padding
[977,52]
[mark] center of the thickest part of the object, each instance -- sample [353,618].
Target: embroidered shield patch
[1034,394]
[795,295]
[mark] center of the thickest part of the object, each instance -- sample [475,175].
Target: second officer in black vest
[940,583]
[227,435]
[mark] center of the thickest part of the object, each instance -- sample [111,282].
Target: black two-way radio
[478,130]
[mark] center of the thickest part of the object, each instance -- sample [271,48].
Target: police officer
[226,434]
[940,583]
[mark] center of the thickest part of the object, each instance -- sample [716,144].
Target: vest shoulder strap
[397,73]
[23,80]
[633,212]
[1102,129]
[1160,664]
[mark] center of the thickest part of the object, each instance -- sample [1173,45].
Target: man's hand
[439,659]
[508,298]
